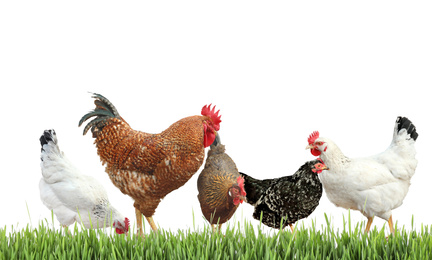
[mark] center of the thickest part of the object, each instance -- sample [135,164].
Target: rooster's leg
[390,221]
[369,224]
[140,231]
[152,224]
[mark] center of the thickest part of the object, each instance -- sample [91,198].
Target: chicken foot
[152,224]
[369,224]
[292,228]
[140,223]
[390,222]
[219,226]
[67,229]
[140,231]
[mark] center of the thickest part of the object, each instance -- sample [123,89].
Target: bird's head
[211,124]
[121,227]
[319,167]
[317,144]
[237,192]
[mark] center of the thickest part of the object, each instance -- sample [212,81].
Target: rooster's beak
[310,146]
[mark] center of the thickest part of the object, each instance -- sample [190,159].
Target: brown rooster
[220,186]
[149,166]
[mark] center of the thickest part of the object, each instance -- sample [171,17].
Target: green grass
[244,241]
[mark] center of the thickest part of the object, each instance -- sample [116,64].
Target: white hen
[373,185]
[70,194]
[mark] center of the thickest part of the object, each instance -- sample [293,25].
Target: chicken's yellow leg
[67,229]
[214,227]
[292,228]
[369,224]
[140,231]
[390,222]
[152,224]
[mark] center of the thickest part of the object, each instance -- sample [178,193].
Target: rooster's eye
[319,143]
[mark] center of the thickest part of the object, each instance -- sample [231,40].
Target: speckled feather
[218,176]
[291,197]
[146,166]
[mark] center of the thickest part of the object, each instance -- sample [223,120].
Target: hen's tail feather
[47,136]
[405,123]
[254,188]
[104,110]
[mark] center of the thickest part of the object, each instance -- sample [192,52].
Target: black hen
[283,201]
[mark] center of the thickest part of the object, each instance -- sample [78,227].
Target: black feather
[103,111]
[284,200]
[46,137]
[254,188]
[98,113]
[405,123]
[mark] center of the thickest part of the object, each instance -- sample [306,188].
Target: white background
[276,70]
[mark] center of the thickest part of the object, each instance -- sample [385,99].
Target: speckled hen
[220,186]
[149,166]
[283,201]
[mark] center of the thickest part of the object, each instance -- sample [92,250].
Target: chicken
[373,185]
[220,186]
[145,166]
[71,195]
[283,201]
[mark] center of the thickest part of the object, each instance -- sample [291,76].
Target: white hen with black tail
[71,195]
[373,185]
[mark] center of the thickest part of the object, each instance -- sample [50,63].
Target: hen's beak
[310,146]
[325,168]
[243,198]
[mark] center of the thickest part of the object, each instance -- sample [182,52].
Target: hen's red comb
[240,182]
[127,223]
[313,137]
[215,117]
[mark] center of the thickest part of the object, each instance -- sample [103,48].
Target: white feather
[373,185]
[71,195]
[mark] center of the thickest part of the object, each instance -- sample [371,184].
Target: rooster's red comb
[313,137]
[240,182]
[215,117]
